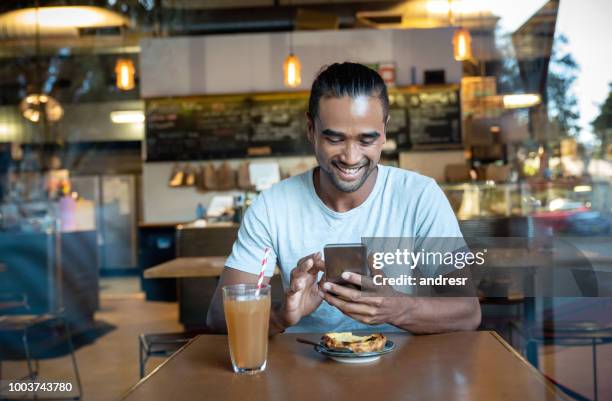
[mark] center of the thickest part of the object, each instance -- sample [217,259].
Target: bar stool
[31,347]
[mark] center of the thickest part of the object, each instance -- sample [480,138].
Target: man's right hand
[303,296]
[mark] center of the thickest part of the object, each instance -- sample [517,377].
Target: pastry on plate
[349,341]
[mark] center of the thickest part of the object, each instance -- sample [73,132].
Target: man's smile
[349,173]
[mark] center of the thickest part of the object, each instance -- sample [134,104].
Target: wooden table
[196,266]
[456,366]
[197,279]
[200,266]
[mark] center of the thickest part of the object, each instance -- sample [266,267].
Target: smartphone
[345,257]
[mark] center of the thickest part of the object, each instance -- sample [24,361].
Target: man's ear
[311,128]
[385,132]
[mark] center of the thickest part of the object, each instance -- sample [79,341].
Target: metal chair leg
[73,358]
[26,349]
[595,389]
[140,357]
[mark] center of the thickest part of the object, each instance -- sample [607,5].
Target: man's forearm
[277,323]
[215,319]
[436,315]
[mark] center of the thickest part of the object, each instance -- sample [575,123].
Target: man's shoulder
[401,179]
[295,186]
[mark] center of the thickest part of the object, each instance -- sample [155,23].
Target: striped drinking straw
[264,262]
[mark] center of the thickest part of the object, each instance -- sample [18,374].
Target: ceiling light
[62,20]
[32,107]
[441,7]
[127,117]
[462,44]
[455,6]
[521,100]
[293,71]
[125,71]
[583,188]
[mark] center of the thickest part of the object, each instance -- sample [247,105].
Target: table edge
[547,383]
[154,371]
[147,274]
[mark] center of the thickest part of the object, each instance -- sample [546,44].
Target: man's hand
[372,307]
[422,315]
[303,295]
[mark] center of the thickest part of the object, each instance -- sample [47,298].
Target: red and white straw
[264,262]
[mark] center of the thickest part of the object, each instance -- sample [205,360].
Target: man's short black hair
[347,79]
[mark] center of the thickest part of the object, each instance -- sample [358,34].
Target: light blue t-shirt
[293,222]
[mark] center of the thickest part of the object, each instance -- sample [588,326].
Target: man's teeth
[349,170]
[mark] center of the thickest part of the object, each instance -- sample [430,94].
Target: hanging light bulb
[462,44]
[124,69]
[33,105]
[293,71]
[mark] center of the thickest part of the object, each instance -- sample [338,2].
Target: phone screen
[344,257]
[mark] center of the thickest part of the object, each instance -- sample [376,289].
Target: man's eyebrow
[371,134]
[331,132]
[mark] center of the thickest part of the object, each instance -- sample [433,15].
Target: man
[347,197]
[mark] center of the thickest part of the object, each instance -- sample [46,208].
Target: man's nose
[351,155]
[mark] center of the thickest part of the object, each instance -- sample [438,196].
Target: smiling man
[347,197]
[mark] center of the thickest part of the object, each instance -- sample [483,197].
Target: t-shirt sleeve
[435,217]
[438,230]
[254,236]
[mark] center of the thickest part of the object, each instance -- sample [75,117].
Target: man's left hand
[380,306]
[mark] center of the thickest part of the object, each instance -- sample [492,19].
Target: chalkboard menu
[215,127]
[279,125]
[433,115]
[197,128]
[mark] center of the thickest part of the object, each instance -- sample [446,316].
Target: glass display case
[536,198]
[487,199]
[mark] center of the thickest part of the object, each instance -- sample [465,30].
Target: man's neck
[342,201]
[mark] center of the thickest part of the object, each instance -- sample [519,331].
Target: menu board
[398,125]
[197,128]
[279,125]
[215,127]
[435,116]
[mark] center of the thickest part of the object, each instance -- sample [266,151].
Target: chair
[195,293]
[574,334]
[502,313]
[161,345]
[32,337]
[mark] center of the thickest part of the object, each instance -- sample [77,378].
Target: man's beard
[347,186]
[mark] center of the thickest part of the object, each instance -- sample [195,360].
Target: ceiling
[76,64]
[130,20]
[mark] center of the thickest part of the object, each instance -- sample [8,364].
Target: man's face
[348,136]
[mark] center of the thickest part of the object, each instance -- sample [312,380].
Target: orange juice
[247,317]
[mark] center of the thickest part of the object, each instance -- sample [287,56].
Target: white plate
[348,356]
[365,359]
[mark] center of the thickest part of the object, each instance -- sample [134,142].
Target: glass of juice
[247,314]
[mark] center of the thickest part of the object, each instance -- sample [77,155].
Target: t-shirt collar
[377,185]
